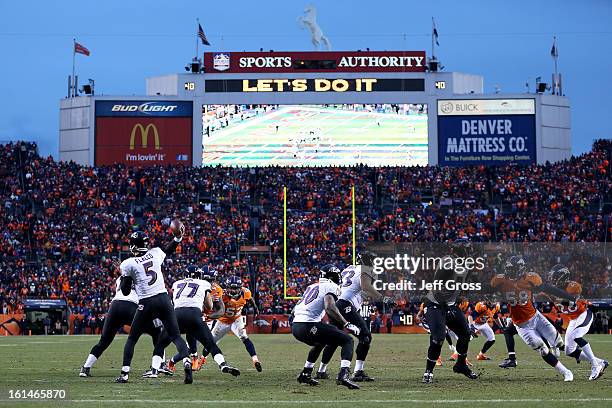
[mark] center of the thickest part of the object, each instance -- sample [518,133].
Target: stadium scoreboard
[316,108]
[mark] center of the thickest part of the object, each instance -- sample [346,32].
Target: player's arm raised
[178,230]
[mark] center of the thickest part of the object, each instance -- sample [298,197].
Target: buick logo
[446,107]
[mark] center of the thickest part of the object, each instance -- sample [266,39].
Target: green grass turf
[395,360]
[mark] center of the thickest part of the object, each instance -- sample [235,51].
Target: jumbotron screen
[314,135]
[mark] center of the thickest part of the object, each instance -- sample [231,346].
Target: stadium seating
[61,224]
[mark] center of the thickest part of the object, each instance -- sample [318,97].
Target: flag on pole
[80,49]
[202,35]
[554,51]
[435,31]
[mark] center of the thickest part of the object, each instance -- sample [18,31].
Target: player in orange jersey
[580,320]
[479,320]
[517,286]
[235,298]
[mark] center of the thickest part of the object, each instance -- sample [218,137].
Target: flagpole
[433,25]
[197,32]
[555,56]
[73,66]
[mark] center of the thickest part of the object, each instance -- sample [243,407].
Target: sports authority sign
[337,61]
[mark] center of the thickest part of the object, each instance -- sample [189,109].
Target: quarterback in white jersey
[143,272]
[146,273]
[356,281]
[320,299]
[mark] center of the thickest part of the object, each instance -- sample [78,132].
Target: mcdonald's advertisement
[138,133]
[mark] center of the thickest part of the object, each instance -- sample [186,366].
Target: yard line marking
[44,342]
[334,401]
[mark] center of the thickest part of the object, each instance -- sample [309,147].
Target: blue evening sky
[506,41]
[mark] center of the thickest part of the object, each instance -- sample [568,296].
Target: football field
[316,135]
[396,361]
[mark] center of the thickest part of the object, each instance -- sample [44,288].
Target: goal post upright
[353,216]
[354,246]
[285,248]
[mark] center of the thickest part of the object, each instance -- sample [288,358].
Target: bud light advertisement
[489,139]
[143,133]
[144,108]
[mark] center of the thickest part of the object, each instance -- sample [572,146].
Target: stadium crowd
[63,227]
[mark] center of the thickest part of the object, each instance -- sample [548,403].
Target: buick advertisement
[143,133]
[489,132]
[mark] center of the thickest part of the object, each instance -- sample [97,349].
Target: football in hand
[177,228]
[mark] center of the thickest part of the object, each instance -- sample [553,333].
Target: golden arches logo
[144,133]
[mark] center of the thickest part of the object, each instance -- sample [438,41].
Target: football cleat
[195,363]
[427,377]
[165,370]
[597,370]
[508,363]
[85,372]
[152,373]
[361,376]
[439,362]
[230,370]
[481,356]
[321,375]
[453,357]
[568,376]
[257,366]
[170,365]
[605,365]
[465,370]
[188,373]
[343,379]
[122,379]
[201,361]
[305,378]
